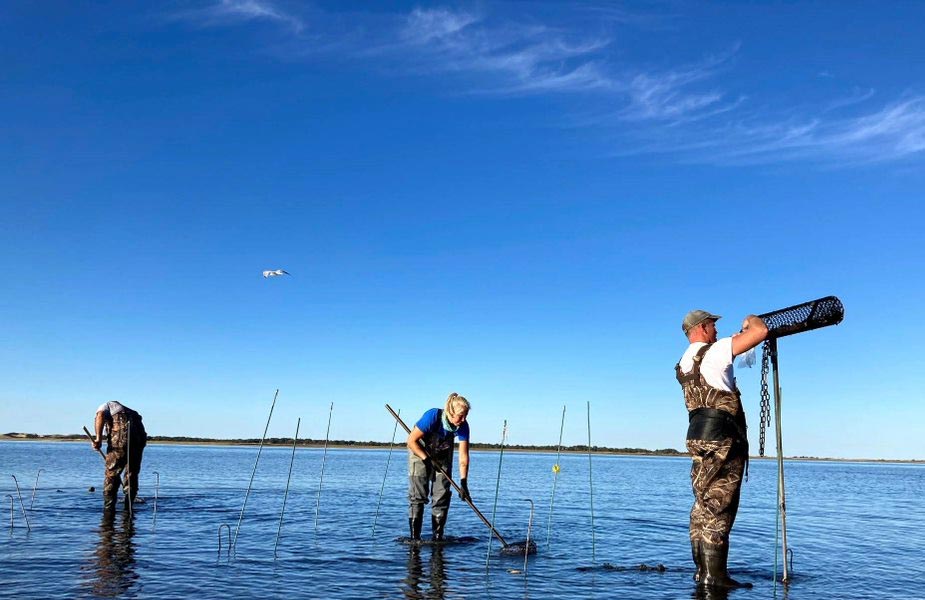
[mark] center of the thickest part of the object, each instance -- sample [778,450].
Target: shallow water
[857,530]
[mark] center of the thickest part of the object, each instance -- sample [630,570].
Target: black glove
[464,490]
[428,464]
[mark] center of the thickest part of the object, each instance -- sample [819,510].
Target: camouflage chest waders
[718,446]
[127,440]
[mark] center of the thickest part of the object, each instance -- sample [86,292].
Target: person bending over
[124,449]
[436,432]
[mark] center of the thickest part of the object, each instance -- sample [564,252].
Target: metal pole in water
[254,472]
[157,485]
[128,461]
[220,540]
[529,527]
[34,487]
[384,477]
[288,479]
[781,495]
[590,483]
[21,505]
[323,459]
[555,477]
[494,508]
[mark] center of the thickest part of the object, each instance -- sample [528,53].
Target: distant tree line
[277,441]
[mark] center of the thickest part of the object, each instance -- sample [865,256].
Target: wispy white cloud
[517,58]
[687,111]
[228,12]
[424,26]
[896,131]
[893,132]
[681,94]
[663,96]
[856,97]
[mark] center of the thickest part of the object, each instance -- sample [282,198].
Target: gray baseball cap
[695,318]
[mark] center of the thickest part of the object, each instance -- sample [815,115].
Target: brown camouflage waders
[718,446]
[127,440]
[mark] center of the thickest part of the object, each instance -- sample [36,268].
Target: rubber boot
[109,509]
[414,525]
[714,562]
[697,554]
[110,499]
[437,524]
[416,521]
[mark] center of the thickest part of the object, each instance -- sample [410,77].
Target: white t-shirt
[110,408]
[716,366]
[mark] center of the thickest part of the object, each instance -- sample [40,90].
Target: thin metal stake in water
[157,485]
[529,528]
[781,496]
[494,508]
[384,477]
[254,472]
[34,487]
[21,505]
[128,480]
[776,541]
[555,478]
[323,459]
[288,479]
[220,540]
[591,483]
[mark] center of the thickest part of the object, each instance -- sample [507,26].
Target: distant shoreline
[346,444]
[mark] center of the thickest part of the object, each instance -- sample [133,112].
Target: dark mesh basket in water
[519,548]
[804,317]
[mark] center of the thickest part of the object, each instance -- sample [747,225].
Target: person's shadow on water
[112,572]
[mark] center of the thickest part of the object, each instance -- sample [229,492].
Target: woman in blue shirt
[436,432]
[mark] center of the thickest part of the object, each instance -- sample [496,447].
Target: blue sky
[517,202]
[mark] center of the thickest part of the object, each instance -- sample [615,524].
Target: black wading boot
[714,562]
[414,524]
[697,553]
[416,521]
[109,502]
[109,511]
[436,526]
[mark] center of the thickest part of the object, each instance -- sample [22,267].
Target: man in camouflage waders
[716,438]
[126,444]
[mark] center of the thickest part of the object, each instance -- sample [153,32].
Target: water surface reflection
[111,570]
[429,584]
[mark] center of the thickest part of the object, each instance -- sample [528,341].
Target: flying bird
[275,273]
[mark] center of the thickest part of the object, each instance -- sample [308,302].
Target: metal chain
[765,417]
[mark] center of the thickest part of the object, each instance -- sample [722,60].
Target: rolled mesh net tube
[804,317]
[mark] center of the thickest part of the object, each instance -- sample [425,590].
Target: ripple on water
[848,523]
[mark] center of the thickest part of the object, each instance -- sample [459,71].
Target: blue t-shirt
[435,436]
